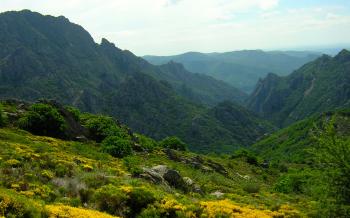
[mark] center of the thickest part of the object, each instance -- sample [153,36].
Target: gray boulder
[161,174]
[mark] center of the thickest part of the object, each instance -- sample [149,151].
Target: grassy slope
[292,143]
[39,175]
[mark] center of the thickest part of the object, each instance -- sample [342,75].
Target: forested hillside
[318,86]
[49,57]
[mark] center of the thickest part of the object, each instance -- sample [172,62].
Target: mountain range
[50,57]
[90,130]
[242,69]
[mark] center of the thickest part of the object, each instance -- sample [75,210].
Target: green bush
[139,198]
[117,147]
[2,116]
[173,142]
[111,199]
[252,188]
[117,201]
[12,205]
[146,142]
[249,156]
[132,164]
[100,127]
[332,152]
[43,119]
[290,183]
[75,112]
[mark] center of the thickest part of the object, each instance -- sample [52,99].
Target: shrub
[167,207]
[252,188]
[290,183]
[249,156]
[132,164]
[13,163]
[226,208]
[124,200]
[173,142]
[43,119]
[47,174]
[74,111]
[2,116]
[117,147]
[111,199]
[67,211]
[140,198]
[85,195]
[146,143]
[100,127]
[12,205]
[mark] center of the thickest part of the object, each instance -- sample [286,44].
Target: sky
[167,27]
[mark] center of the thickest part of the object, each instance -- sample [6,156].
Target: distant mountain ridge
[242,69]
[49,57]
[318,86]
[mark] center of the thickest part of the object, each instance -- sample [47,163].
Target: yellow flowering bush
[62,211]
[47,174]
[13,163]
[171,204]
[289,211]
[87,168]
[167,207]
[225,208]
[12,205]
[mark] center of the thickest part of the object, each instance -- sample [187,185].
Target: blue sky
[164,27]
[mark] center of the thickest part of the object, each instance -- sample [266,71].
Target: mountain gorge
[242,69]
[316,87]
[49,57]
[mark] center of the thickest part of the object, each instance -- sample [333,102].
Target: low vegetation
[51,177]
[104,173]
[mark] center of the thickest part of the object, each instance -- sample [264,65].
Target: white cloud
[268,4]
[174,26]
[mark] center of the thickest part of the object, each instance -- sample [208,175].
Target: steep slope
[316,87]
[227,121]
[199,87]
[49,57]
[242,69]
[33,46]
[49,177]
[293,143]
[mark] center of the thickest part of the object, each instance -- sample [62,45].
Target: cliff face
[318,86]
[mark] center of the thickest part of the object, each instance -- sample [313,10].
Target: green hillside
[50,57]
[51,177]
[295,142]
[314,156]
[316,87]
[89,130]
[242,69]
[226,121]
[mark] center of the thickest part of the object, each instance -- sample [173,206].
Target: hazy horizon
[171,27]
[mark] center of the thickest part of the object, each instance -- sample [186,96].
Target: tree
[43,119]
[173,142]
[100,127]
[332,153]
